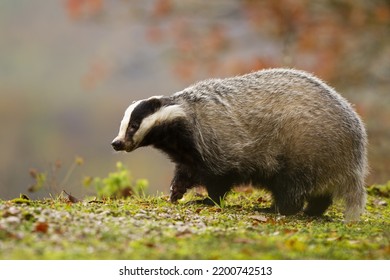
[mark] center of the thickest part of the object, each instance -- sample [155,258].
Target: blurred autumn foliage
[345,42]
[79,8]
[340,40]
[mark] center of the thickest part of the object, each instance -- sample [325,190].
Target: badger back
[247,123]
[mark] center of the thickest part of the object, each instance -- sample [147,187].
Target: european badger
[280,129]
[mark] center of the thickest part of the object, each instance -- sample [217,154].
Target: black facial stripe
[143,110]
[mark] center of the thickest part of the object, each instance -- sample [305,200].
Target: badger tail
[355,201]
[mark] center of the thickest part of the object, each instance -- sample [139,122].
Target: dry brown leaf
[259,218]
[41,227]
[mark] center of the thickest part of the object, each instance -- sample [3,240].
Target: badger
[282,130]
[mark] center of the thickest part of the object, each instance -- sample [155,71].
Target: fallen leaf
[41,227]
[259,218]
[150,245]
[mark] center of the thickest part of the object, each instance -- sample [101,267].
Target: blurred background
[69,69]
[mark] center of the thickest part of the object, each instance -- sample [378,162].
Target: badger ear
[155,103]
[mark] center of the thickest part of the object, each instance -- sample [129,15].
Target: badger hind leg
[289,206]
[288,199]
[288,193]
[317,205]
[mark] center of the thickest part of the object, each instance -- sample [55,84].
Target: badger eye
[134,126]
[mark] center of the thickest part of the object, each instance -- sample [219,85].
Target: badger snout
[118,145]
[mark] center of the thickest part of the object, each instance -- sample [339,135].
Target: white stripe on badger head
[126,118]
[125,121]
[165,114]
[157,97]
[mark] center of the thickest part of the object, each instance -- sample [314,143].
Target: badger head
[141,117]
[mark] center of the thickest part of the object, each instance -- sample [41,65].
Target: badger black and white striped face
[141,117]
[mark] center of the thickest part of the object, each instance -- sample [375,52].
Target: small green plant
[222,202]
[118,184]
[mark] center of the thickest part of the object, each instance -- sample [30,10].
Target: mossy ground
[153,228]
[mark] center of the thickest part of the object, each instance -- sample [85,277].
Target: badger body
[279,129]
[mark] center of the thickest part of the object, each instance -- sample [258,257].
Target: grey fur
[281,129]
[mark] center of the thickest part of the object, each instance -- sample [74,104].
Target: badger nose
[118,145]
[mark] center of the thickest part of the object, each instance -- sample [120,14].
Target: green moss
[152,228]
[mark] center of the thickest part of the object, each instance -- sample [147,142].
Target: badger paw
[176,194]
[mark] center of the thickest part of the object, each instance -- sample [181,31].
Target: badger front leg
[183,180]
